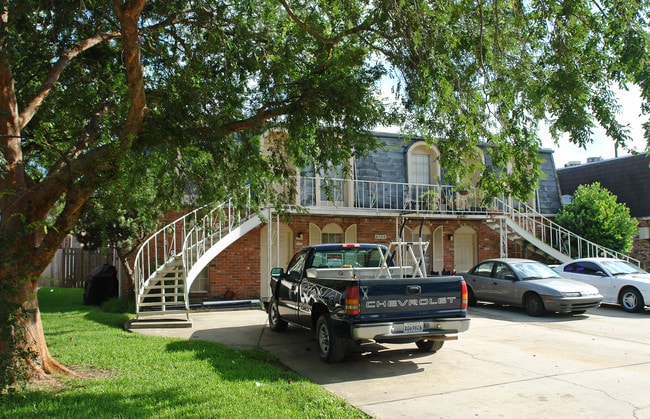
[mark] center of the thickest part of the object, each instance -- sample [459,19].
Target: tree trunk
[23,350]
[128,288]
[31,339]
[25,206]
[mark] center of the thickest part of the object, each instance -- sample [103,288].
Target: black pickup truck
[354,292]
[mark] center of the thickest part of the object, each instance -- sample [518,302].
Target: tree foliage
[595,215]
[95,96]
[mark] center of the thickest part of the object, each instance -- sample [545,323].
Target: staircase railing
[556,236]
[210,229]
[188,237]
[161,247]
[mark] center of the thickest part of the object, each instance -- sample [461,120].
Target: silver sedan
[528,284]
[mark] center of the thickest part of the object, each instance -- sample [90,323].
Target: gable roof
[626,177]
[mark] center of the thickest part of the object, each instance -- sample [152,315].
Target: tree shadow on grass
[52,300]
[148,403]
[108,319]
[235,364]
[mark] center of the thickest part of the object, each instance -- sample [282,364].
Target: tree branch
[256,121]
[128,13]
[92,132]
[55,72]
[365,25]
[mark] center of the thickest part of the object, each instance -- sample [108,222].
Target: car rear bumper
[409,330]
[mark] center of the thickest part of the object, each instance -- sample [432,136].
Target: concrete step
[157,323]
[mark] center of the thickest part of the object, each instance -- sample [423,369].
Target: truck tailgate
[410,298]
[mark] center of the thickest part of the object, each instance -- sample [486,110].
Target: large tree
[89,91]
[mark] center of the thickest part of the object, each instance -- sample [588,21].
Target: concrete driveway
[507,365]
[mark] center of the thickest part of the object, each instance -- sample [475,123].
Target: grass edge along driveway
[132,375]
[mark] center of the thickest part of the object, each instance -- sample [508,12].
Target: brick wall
[238,268]
[641,247]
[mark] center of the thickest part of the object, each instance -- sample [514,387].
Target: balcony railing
[390,196]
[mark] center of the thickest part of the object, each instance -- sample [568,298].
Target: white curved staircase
[169,261]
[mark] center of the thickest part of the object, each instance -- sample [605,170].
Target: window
[331,184]
[331,238]
[295,266]
[200,283]
[423,165]
[420,168]
[484,269]
[501,271]
[334,186]
[332,233]
[360,258]
[586,268]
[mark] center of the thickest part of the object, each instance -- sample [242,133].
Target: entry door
[464,251]
[280,248]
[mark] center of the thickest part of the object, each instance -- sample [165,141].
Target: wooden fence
[71,266]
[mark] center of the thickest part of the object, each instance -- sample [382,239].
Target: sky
[602,146]
[565,152]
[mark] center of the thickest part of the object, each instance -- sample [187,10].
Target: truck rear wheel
[275,321]
[425,345]
[331,346]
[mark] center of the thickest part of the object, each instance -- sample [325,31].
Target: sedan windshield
[533,270]
[622,267]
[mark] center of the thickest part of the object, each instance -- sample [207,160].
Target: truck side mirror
[277,272]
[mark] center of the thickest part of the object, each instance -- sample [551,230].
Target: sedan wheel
[471,298]
[534,305]
[631,300]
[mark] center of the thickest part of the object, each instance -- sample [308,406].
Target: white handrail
[160,247]
[210,229]
[189,237]
[390,196]
[556,236]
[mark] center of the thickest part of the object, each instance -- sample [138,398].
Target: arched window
[423,164]
[331,233]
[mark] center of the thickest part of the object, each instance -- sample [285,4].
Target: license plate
[413,327]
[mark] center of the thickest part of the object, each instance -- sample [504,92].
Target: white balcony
[340,196]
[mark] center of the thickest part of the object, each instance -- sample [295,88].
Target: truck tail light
[352,300]
[463,291]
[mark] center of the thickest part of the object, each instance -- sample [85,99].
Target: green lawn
[128,375]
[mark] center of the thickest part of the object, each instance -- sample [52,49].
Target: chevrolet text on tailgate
[357,292]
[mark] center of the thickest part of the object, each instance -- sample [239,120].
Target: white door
[280,253]
[464,249]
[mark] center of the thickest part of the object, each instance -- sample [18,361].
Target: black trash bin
[101,284]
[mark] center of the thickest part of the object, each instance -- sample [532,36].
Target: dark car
[528,284]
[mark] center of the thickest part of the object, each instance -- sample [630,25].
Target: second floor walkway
[340,196]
